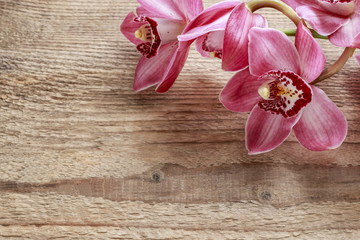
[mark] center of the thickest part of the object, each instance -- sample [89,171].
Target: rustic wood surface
[84,157]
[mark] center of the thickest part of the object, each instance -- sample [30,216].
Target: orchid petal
[241,93]
[265,130]
[270,49]
[190,8]
[356,42]
[187,10]
[312,57]
[162,9]
[235,52]
[194,33]
[344,36]
[140,11]
[128,28]
[322,125]
[174,67]
[322,21]
[150,71]
[212,19]
[297,3]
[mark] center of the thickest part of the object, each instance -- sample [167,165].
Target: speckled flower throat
[284,93]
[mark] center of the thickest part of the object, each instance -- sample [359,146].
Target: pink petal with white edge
[129,27]
[312,58]
[344,37]
[196,32]
[150,71]
[163,9]
[358,58]
[322,125]
[174,67]
[322,21]
[240,94]
[265,131]
[211,19]
[270,49]
[235,52]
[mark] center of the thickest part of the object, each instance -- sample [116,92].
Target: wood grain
[84,157]
[277,185]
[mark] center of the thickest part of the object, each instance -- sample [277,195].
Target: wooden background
[84,157]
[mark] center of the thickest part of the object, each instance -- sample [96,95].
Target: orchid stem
[336,66]
[291,32]
[282,7]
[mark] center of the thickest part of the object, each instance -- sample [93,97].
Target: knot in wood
[156,177]
[265,195]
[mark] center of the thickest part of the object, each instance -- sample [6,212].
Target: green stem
[282,7]
[291,32]
[336,66]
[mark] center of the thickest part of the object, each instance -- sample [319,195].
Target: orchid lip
[149,35]
[155,32]
[284,92]
[213,43]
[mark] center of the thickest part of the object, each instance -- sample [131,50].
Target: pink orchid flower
[338,19]
[207,29]
[236,37]
[154,31]
[275,88]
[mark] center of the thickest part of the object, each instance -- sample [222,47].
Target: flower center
[155,32]
[149,35]
[144,33]
[284,93]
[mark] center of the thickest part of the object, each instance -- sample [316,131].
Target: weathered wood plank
[51,209]
[279,185]
[75,232]
[80,152]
